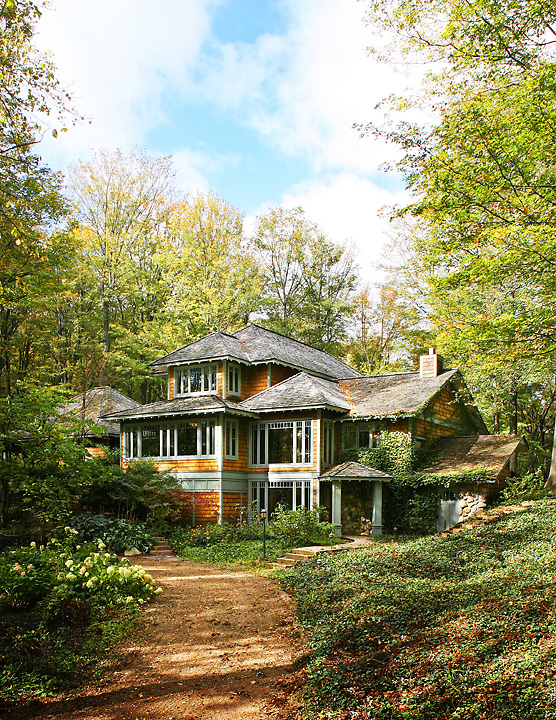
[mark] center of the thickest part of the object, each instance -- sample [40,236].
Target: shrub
[118,535]
[294,528]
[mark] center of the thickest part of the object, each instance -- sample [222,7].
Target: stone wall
[471,500]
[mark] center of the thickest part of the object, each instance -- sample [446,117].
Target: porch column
[337,506]
[377,509]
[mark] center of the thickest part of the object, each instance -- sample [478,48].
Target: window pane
[299,442]
[187,439]
[280,445]
[363,439]
[262,444]
[195,379]
[307,443]
[151,441]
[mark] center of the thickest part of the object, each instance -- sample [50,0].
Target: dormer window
[196,379]
[234,380]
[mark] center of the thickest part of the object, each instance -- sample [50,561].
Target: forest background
[108,268]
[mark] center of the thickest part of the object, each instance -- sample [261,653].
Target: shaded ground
[218,646]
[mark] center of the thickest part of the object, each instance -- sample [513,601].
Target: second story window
[231,445]
[234,380]
[184,439]
[196,380]
[361,435]
[282,443]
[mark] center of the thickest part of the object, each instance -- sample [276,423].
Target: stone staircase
[162,548]
[295,556]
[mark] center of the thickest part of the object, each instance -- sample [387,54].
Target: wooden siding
[171,384]
[450,414]
[239,465]
[232,504]
[207,507]
[177,464]
[253,380]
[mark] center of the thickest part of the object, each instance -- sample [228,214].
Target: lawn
[459,627]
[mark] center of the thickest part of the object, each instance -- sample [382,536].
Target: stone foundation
[471,501]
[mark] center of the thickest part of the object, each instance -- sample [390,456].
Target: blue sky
[253,99]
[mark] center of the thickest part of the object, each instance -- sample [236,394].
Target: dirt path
[218,646]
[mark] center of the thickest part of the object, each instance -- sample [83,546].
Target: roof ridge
[301,342]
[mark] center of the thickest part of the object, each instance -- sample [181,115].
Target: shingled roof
[97,402]
[454,455]
[255,344]
[215,346]
[199,405]
[355,471]
[397,394]
[298,392]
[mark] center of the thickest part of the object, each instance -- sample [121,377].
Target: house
[89,406]
[255,418]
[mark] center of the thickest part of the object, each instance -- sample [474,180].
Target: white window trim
[206,370]
[234,370]
[167,429]
[309,463]
[233,424]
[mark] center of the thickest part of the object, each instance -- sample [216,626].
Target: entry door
[448,511]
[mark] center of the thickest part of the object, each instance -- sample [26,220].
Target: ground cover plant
[458,627]
[62,606]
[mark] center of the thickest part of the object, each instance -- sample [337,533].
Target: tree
[122,207]
[483,180]
[382,332]
[308,280]
[214,281]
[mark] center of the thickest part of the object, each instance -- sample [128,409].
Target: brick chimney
[430,366]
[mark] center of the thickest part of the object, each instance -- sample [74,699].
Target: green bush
[528,487]
[295,528]
[118,535]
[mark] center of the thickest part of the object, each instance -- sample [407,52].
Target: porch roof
[354,471]
[201,405]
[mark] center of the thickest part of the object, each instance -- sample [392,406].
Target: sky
[253,99]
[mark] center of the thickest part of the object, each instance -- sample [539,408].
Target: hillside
[456,626]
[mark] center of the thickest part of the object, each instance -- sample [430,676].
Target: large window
[185,439]
[196,379]
[231,440]
[282,443]
[234,380]
[361,435]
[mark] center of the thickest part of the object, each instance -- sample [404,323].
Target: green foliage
[61,607]
[117,534]
[527,487]
[442,627]
[422,511]
[242,542]
[296,528]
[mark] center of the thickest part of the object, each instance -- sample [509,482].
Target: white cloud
[304,91]
[118,59]
[350,208]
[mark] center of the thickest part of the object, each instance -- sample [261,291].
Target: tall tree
[308,280]
[214,281]
[483,181]
[122,206]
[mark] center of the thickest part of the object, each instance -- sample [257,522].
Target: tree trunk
[551,482]
[513,411]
